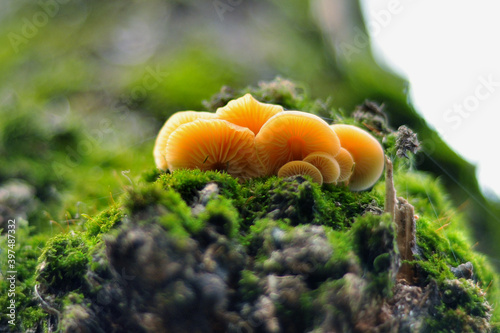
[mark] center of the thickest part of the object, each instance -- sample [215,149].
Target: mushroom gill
[292,135]
[346,164]
[177,119]
[300,168]
[213,145]
[326,164]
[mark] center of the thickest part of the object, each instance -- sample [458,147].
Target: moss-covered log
[193,251]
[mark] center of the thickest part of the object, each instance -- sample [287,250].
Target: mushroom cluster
[247,138]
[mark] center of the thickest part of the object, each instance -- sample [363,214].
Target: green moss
[99,263]
[28,249]
[340,297]
[33,316]
[71,157]
[434,268]
[307,307]
[343,258]
[489,283]
[188,182]
[462,308]
[104,221]
[151,175]
[73,298]
[150,203]
[298,200]
[292,198]
[250,212]
[427,194]
[282,92]
[170,223]
[374,243]
[257,239]
[63,262]
[340,206]
[150,198]
[301,202]
[467,295]
[221,213]
[389,145]
[249,286]
[440,248]
[372,236]
[442,237]
[26,145]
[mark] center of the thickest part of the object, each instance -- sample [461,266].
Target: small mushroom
[326,164]
[213,145]
[291,136]
[247,112]
[346,164]
[177,119]
[300,168]
[366,152]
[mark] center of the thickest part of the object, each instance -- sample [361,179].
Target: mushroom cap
[291,136]
[247,112]
[326,164]
[213,145]
[366,152]
[346,164]
[300,168]
[175,120]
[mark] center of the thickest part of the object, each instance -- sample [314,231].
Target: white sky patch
[449,50]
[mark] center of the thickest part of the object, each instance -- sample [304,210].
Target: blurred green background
[86,85]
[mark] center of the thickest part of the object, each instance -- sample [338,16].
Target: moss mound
[193,251]
[220,255]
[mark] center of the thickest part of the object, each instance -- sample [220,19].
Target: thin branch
[390,191]
[403,216]
[46,306]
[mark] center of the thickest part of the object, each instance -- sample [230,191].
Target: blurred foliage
[86,85]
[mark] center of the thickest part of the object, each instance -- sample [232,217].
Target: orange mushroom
[177,119]
[326,164]
[346,164]
[213,145]
[300,168]
[291,136]
[366,152]
[247,112]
